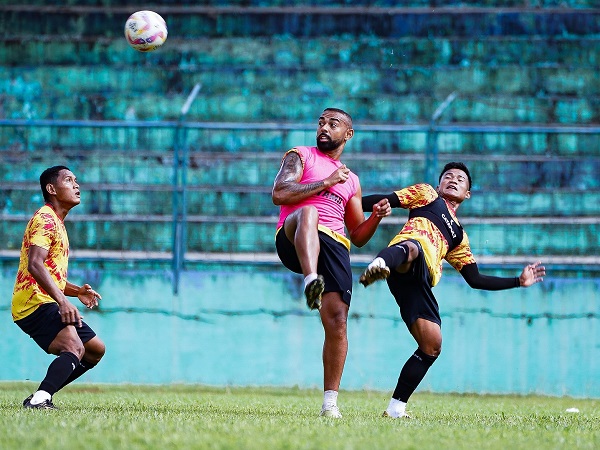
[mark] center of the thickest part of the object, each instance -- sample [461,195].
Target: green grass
[178,417]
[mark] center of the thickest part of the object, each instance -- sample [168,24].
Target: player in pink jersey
[319,197]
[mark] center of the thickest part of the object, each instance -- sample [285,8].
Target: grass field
[178,417]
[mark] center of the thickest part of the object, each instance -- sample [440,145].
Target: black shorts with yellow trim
[333,263]
[44,324]
[413,291]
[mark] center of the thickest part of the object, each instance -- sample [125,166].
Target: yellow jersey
[46,230]
[435,245]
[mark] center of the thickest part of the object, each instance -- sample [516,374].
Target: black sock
[59,370]
[412,374]
[82,368]
[394,255]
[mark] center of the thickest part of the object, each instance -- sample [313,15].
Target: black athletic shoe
[27,400]
[313,292]
[46,404]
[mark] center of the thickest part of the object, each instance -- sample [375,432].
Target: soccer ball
[145,31]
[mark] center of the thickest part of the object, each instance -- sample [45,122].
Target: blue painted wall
[249,326]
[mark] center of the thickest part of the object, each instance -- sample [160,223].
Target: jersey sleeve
[417,195]
[461,255]
[369,201]
[298,152]
[42,230]
[476,280]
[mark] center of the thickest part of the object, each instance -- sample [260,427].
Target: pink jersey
[331,202]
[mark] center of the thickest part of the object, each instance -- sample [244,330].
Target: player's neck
[60,209]
[333,154]
[452,204]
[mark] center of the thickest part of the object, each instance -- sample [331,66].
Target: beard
[328,145]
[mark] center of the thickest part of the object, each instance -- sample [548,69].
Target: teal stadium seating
[511,63]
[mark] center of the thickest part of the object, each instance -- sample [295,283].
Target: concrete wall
[249,326]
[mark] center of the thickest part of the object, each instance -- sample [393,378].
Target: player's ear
[50,189]
[468,195]
[349,134]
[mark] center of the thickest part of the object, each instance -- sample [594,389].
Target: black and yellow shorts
[413,293]
[44,324]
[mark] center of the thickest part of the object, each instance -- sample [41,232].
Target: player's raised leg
[301,228]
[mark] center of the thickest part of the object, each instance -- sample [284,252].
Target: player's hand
[69,314]
[88,296]
[340,175]
[532,273]
[382,208]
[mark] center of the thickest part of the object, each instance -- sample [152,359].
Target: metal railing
[180,187]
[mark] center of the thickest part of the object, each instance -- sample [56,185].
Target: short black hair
[456,165]
[341,111]
[49,176]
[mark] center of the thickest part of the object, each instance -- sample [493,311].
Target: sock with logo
[82,368]
[394,255]
[308,278]
[412,374]
[58,372]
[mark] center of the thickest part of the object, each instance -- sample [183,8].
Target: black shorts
[412,291]
[44,324]
[333,264]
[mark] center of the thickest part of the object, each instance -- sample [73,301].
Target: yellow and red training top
[46,230]
[440,235]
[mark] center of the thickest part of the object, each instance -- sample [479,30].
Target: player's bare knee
[335,324]
[67,341]
[309,215]
[434,347]
[431,350]
[431,346]
[413,251]
[74,346]
[94,350]
[99,352]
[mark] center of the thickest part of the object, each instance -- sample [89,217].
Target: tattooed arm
[288,190]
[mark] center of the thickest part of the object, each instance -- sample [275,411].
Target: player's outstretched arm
[359,228]
[368,201]
[532,274]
